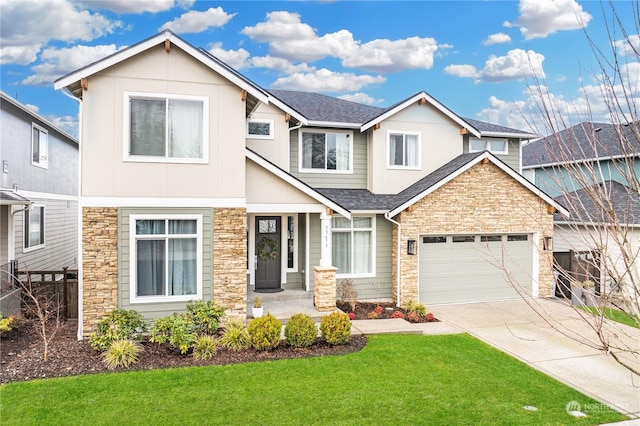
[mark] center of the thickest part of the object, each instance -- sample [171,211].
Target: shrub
[177,330]
[336,328]
[119,324]
[346,293]
[235,337]
[205,347]
[122,353]
[378,310]
[397,314]
[413,317]
[417,308]
[205,316]
[300,331]
[430,317]
[265,332]
[6,323]
[372,315]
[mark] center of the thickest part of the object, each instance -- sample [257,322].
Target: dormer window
[326,151]
[494,146]
[259,129]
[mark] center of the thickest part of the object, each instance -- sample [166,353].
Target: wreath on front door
[267,249]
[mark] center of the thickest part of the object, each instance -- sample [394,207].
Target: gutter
[386,216]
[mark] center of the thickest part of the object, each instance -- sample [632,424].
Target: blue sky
[479,58]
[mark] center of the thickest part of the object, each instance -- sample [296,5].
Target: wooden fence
[60,284]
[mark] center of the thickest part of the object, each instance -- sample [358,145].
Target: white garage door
[472,268]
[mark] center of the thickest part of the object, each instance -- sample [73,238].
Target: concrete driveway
[556,348]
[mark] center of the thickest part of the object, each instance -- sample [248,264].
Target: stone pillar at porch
[325,291]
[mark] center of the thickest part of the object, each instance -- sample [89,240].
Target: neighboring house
[38,191]
[198,184]
[590,158]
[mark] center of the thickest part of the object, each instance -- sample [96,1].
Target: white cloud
[236,59]
[67,123]
[361,98]
[629,46]
[462,70]
[29,25]
[195,21]
[295,41]
[136,6]
[497,38]
[324,80]
[280,64]
[539,18]
[33,108]
[58,62]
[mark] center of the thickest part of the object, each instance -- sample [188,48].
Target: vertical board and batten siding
[355,180]
[60,237]
[512,159]
[370,288]
[152,311]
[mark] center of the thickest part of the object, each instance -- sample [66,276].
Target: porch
[283,305]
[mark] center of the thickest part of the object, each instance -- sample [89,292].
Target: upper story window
[495,146]
[34,228]
[39,146]
[326,151]
[166,128]
[260,129]
[404,150]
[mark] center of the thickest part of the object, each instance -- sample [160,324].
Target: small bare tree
[347,293]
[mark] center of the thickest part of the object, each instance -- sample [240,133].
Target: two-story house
[198,184]
[38,191]
[592,169]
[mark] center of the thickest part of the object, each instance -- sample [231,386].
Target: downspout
[66,92]
[386,216]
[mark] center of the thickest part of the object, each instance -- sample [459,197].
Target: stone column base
[325,291]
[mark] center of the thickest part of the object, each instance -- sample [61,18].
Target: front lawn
[614,315]
[405,379]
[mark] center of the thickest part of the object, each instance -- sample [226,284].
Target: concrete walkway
[549,335]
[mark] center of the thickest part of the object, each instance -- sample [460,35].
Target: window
[292,257]
[434,240]
[166,258]
[166,128]
[322,151]
[463,239]
[490,238]
[404,150]
[260,129]
[518,237]
[494,146]
[39,146]
[353,245]
[34,227]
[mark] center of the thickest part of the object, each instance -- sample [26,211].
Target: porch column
[325,290]
[325,238]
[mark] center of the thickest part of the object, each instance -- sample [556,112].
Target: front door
[268,253]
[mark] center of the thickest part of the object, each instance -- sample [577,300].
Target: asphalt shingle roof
[584,141]
[483,126]
[625,204]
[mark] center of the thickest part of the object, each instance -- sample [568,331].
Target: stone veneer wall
[483,199]
[99,264]
[325,288]
[230,261]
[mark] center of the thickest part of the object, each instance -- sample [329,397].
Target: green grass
[395,380]
[614,315]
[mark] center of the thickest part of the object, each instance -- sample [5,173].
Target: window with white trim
[292,243]
[495,146]
[403,150]
[353,248]
[325,151]
[166,258]
[39,146]
[34,228]
[166,128]
[259,129]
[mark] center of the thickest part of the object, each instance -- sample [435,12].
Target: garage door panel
[458,272]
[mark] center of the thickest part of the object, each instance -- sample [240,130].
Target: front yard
[404,379]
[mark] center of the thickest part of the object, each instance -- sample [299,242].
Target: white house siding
[152,311]
[275,150]
[61,236]
[355,180]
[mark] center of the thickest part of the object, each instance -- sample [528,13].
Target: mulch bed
[21,355]
[363,309]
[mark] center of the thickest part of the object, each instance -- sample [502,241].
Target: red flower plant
[397,314]
[352,316]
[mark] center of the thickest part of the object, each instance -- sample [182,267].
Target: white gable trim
[296,183]
[446,111]
[131,51]
[508,170]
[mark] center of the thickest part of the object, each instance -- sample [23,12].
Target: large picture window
[166,128]
[353,245]
[404,150]
[39,146]
[166,258]
[34,228]
[325,151]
